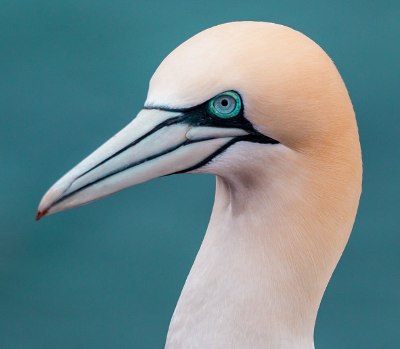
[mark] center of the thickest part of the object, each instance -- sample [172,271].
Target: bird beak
[156,143]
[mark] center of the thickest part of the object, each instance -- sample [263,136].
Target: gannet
[262,107]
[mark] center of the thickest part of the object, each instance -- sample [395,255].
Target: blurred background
[108,275]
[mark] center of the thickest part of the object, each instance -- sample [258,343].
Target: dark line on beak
[210,157]
[168,122]
[119,170]
[127,167]
[250,138]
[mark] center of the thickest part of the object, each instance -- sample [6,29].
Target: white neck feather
[266,258]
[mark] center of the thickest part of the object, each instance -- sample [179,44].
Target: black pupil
[224,102]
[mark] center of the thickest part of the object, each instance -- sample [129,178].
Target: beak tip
[40,215]
[42,211]
[49,200]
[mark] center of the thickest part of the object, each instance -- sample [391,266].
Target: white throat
[262,269]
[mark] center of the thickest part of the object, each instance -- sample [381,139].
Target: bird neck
[264,263]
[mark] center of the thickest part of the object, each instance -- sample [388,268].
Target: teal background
[108,275]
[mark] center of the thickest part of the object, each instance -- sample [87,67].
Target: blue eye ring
[226,105]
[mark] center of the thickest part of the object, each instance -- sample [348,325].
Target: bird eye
[226,105]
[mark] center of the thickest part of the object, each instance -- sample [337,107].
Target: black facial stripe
[201,115]
[248,138]
[209,158]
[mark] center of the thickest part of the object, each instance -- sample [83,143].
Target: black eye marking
[204,115]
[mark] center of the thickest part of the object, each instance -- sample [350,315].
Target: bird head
[231,89]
